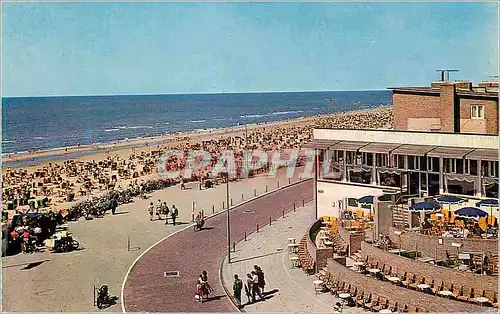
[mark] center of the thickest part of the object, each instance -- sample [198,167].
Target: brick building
[445,106]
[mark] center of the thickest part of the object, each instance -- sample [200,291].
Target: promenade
[64,282]
[147,290]
[287,290]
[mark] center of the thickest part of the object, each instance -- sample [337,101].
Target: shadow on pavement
[28,264]
[265,294]
[258,256]
[121,213]
[218,297]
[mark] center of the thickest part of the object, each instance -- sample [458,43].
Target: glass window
[401,161]
[423,164]
[368,159]
[477,112]
[411,162]
[433,164]
[459,166]
[473,167]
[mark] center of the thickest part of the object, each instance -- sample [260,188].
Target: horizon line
[202,93]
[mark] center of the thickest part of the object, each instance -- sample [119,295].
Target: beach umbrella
[424,207]
[492,202]
[470,213]
[368,199]
[449,199]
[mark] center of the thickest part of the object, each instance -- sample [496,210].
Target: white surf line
[189,226]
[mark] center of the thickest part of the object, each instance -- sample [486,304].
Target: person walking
[249,288]
[166,211]
[237,287]
[260,275]
[159,209]
[114,204]
[256,287]
[175,213]
[151,210]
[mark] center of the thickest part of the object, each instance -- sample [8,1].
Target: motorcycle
[102,296]
[65,244]
[199,224]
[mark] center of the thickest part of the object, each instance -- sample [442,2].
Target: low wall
[353,239]
[384,289]
[429,246]
[438,273]
[320,255]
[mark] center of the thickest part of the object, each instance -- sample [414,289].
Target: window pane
[460,166]
[473,112]
[479,111]
[473,167]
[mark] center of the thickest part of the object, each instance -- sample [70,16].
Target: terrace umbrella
[449,199]
[425,207]
[368,199]
[470,213]
[489,203]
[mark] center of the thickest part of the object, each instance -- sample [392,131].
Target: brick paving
[146,289]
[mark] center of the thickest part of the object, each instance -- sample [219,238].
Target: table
[394,279]
[397,251]
[445,293]
[291,240]
[294,261]
[326,223]
[481,300]
[325,228]
[344,295]
[374,270]
[385,311]
[423,286]
[293,247]
[318,286]
[327,242]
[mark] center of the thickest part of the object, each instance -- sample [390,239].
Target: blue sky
[163,48]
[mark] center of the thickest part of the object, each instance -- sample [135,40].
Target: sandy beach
[135,161]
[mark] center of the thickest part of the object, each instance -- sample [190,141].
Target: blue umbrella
[470,212]
[368,199]
[492,202]
[449,199]
[424,207]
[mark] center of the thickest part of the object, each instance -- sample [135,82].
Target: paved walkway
[269,249]
[147,290]
[48,282]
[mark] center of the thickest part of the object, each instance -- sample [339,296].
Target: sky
[171,48]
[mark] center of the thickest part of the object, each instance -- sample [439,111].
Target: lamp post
[228,219]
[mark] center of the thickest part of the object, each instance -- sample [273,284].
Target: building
[354,163]
[446,106]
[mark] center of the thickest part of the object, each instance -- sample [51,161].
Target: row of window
[431,164]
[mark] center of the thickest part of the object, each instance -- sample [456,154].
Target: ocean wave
[112,130]
[39,138]
[249,116]
[284,112]
[140,127]
[167,123]
[197,121]
[7,141]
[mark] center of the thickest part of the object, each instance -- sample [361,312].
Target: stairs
[399,216]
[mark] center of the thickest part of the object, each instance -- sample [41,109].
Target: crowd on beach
[61,183]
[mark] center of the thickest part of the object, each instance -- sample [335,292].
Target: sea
[51,123]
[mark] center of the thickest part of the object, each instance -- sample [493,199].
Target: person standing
[114,204]
[260,275]
[159,209]
[151,210]
[249,288]
[175,213]
[237,287]
[256,287]
[166,211]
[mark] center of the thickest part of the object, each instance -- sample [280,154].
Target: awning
[383,148]
[412,150]
[348,145]
[319,144]
[483,154]
[449,152]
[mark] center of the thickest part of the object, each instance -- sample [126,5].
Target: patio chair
[367,302]
[373,304]
[379,306]
[359,299]
[404,309]
[436,289]
[461,296]
[394,307]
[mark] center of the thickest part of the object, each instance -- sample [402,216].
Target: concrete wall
[320,255]
[399,294]
[428,245]
[414,138]
[335,192]
[447,275]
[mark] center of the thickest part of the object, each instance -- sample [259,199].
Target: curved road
[147,290]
